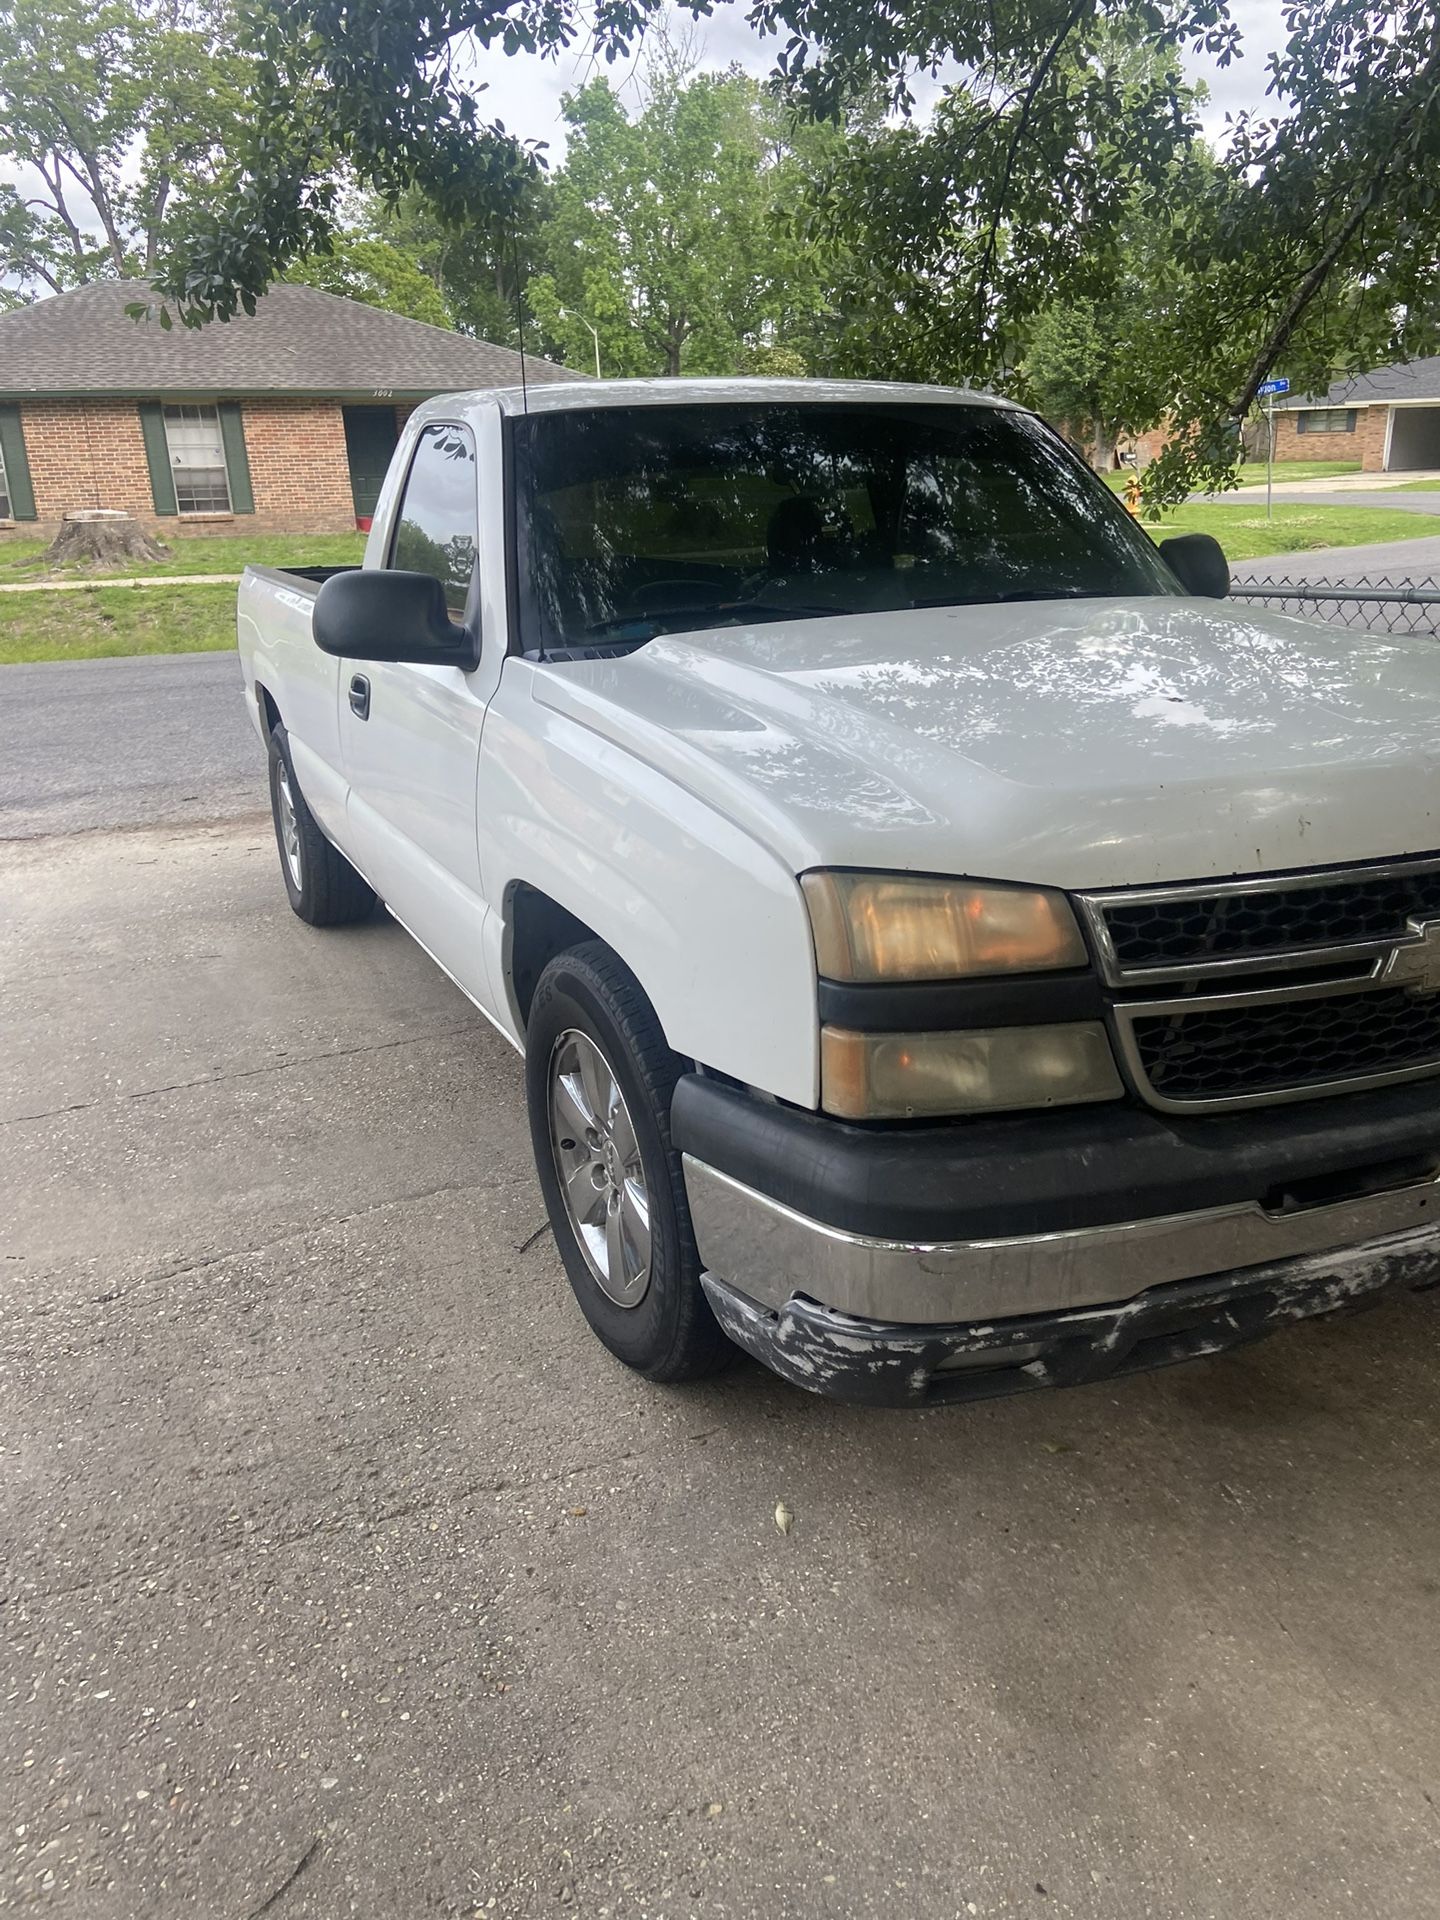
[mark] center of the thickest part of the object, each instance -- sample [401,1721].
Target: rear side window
[439,514]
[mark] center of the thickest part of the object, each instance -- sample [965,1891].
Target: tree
[121,115]
[1318,242]
[665,229]
[1102,362]
[479,268]
[377,274]
[1316,236]
[29,253]
[1073,364]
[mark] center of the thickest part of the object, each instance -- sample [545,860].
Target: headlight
[892,926]
[899,1076]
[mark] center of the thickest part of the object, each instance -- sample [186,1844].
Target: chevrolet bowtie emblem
[1416,966]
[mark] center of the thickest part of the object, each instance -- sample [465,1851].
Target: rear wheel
[599,1081]
[324,889]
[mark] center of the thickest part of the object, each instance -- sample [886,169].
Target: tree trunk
[1102,447]
[102,540]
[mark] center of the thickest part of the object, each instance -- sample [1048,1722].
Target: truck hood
[1074,743]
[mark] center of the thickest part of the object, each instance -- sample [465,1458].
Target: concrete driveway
[341,1572]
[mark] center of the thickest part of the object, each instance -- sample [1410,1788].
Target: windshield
[665,519]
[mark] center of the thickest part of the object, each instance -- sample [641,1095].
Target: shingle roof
[299,341]
[1416,380]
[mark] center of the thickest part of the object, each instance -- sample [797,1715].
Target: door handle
[360,697]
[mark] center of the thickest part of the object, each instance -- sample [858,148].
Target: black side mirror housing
[1198,562]
[373,613]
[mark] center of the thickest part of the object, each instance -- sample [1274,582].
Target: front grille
[1225,1053]
[1169,930]
[1234,991]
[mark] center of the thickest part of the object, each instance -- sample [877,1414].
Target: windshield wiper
[709,614]
[1017,593]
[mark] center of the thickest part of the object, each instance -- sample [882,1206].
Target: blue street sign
[1273,386]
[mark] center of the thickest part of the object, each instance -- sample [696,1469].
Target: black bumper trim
[1051,1172]
[929,1006]
[871,1363]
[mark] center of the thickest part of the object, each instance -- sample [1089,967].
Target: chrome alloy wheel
[289,825]
[597,1157]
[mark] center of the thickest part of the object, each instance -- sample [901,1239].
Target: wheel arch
[268,708]
[537,928]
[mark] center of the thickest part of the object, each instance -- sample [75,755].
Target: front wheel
[599,1081]
[324,889]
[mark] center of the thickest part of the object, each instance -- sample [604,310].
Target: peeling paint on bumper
[874,1363]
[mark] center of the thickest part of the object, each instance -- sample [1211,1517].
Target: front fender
[711,922]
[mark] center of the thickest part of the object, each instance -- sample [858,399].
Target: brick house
[1386,422]
[283,422]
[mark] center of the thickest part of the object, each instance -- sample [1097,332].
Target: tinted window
[435,530]
[661,519]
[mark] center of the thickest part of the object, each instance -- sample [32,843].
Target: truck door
[411,734]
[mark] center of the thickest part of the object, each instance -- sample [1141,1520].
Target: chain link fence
[1370,603]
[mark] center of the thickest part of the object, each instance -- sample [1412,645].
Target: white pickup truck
[953,951]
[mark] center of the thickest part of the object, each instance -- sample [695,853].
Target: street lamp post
[570,314]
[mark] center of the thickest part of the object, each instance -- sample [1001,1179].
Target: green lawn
[1252,474]
[98,621]
[1245,533]
[223,553]
[1413,486]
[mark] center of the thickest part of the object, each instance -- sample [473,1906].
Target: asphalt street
[87,744]
[341,1572]
[1412,560]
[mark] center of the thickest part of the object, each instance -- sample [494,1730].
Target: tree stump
[102,540]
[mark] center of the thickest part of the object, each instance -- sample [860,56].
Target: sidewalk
[121,580]
[1337,483]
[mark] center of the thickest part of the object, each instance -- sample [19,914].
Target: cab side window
[439,515]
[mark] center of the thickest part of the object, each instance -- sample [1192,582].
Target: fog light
[900,1076]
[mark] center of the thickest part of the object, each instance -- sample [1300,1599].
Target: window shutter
[237,461]
[157,453]
[17,466]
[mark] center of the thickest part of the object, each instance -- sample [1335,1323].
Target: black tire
[325,891]
[670,1334]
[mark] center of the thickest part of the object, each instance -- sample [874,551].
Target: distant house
[283,422]
[1384,421]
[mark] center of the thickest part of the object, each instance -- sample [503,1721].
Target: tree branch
[1043,69]
[1315,277]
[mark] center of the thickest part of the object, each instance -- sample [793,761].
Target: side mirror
[372,613]
[1198,562]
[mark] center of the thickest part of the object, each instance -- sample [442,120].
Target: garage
[1414,438]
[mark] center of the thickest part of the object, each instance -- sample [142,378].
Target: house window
[1326,420]
[7,511]
[197,459]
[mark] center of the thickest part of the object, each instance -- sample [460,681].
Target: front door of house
[370,436]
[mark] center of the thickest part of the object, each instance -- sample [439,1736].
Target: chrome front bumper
[769,1254]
